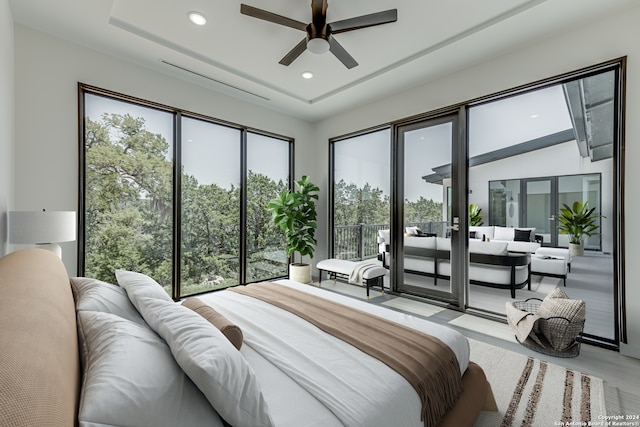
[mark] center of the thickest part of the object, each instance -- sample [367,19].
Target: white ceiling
[238,55]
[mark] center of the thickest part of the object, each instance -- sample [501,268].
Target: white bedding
[310,378]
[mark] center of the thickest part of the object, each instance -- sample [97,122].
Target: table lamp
[45,229]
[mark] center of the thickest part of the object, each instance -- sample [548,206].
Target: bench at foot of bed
[356,272]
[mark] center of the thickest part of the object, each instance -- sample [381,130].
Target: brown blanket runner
[427,363]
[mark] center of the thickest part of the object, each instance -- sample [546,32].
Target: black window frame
[178,114]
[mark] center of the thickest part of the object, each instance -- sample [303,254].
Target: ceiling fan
[319,37]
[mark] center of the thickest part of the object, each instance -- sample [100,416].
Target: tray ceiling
[238,55]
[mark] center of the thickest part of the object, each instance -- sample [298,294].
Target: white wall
[561,159]
[577,48]
[6,119]
[46,155]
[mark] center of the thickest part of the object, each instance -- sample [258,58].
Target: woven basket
[558,326]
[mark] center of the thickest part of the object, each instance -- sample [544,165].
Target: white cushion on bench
[541,264]
[343,266]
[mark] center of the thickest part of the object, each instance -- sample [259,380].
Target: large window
[268,174]
[210,206]
[206,227]
[361,189]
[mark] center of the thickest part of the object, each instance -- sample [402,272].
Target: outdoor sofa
[490,262]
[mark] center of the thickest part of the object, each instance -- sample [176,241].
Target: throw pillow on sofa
[522,235]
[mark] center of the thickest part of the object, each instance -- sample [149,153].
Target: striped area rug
[532,392]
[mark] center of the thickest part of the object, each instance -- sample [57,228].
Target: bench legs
[376,281]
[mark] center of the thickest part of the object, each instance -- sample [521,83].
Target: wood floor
[620,373]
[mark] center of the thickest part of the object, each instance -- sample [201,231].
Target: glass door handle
[553,218]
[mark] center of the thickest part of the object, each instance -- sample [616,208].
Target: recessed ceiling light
[534,116]
[307,75]
[197,18]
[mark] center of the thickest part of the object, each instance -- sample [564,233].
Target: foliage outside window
[361,196]
[129,199]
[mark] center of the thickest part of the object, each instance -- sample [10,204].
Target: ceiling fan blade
[364,21]
[340,53]
[294,53]
[254,12]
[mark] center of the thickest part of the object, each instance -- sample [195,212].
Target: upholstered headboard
[39,361]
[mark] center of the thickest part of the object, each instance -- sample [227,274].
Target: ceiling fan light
[197,18]
[318,46]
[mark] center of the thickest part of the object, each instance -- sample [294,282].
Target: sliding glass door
[541,209]
[427,224]
[529,155]
[498,171]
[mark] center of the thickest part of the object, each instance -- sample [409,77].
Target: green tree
[129,211]
[423,210]
[128,183]
[266,243]
[354,205]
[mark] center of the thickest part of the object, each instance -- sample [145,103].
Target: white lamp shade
[42,227]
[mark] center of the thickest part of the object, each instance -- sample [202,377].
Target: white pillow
[385,234]
[96,295]
[487,231]
[141,285]
[210,360]
[131,378]
[411,230]
[504,233]
[443,244]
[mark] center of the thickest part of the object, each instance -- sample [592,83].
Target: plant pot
[299,272]
[576,249]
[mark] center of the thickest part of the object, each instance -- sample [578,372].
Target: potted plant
[577,221]
[294,212]
[475,215]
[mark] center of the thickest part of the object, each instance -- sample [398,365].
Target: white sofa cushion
[443,244]
[412,230]
[497,274]
[489,248]
[420,264]
[503,233]
[420,242]
[524,247]
[486,231]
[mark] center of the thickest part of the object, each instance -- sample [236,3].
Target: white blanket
[311,378]
[356,275]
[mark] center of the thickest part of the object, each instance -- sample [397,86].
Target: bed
[89,353]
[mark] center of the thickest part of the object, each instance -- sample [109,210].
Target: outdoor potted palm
[577,221]
[475,215]
[294,212]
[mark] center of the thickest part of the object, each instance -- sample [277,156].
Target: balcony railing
[359,242]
